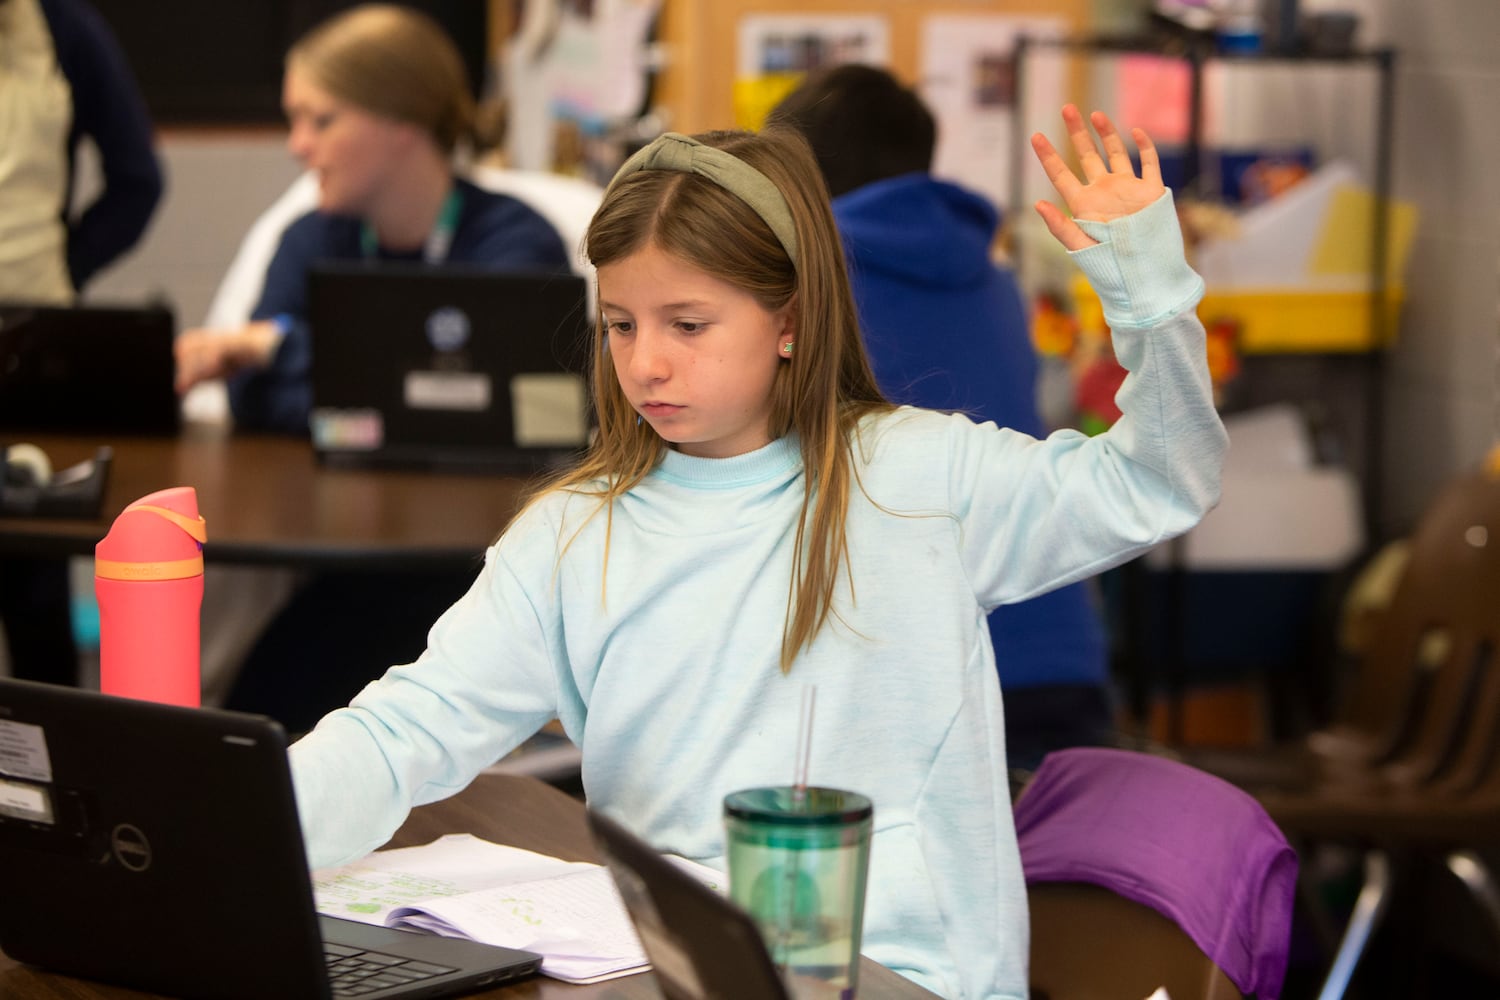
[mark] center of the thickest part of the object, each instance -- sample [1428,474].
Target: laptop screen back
[158,847]
[447,367]
[148,847]
[702,945]
[87,369]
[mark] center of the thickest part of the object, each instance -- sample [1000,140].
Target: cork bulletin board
[729,61]
[697,85]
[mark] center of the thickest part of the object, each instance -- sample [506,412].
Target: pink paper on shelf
[1155,94]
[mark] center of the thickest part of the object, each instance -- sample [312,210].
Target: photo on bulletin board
[967,76]
[775,52]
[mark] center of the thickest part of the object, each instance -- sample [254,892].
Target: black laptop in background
[87,369]
[158,847]
[451,367]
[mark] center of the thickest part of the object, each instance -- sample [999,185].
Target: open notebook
[158,847]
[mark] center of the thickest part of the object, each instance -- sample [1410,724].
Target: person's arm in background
[109,109]
[272,389]
[276,393]
[266,363]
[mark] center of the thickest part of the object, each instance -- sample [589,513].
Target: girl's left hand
[1109,188]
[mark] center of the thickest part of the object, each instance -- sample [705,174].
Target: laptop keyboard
[353,972]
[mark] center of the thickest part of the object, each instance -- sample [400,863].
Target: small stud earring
[786,348]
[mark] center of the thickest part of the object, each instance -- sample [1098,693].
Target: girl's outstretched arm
[1109,189]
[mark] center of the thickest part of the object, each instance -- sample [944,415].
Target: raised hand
[1109,188]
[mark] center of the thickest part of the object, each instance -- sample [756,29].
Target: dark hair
[863,125]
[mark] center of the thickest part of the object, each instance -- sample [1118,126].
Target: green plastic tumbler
[798,862]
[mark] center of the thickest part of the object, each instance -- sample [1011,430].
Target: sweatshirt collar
[772,461]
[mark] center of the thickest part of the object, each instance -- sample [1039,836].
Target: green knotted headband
[673,151]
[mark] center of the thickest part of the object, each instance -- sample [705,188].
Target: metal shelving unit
[1361,370]
[1199,52]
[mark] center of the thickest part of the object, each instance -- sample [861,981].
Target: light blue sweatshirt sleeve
[487,680]
[1038,514]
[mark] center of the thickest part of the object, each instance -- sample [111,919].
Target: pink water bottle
[148,576]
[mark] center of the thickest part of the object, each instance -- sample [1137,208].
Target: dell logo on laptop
[130,847]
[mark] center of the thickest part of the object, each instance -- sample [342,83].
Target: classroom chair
[1143,872]
[1410,699]
[1445,802]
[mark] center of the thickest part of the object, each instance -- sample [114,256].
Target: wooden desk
[267,500]
[506,809]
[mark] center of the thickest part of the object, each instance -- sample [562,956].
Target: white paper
[598,62]
[1276,238]
[23,751]
[966,76]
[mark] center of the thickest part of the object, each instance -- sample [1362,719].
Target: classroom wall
[1441,385]
[218,182]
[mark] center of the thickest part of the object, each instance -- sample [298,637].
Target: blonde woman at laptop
[379,109]
[754,516]
[378,103]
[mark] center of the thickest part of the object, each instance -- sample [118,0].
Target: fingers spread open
[1063,228]
[1083,144]
[1052,163]
[1150,161]
[1114,146]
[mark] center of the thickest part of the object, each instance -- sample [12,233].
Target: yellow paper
[1344,244]
[755,96]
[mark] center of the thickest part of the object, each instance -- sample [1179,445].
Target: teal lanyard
[439,241]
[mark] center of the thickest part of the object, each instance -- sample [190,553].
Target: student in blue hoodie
[946,328]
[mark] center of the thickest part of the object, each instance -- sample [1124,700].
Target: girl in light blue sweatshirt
[754,516]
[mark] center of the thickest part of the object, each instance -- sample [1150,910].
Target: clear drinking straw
[804,745]
[791,873]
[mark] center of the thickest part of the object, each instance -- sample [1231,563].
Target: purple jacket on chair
[1185,843]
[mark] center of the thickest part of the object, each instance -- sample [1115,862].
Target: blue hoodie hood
[918,229]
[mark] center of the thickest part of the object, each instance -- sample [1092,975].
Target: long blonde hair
[392,61]
[821,392]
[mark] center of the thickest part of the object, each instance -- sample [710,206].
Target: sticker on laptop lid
[26,802]
[549,410]
[347,428]
[23,751]
[448,390]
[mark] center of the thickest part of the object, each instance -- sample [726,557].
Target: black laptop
[447,367]
[157,847]
[702,946]
[87,369]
